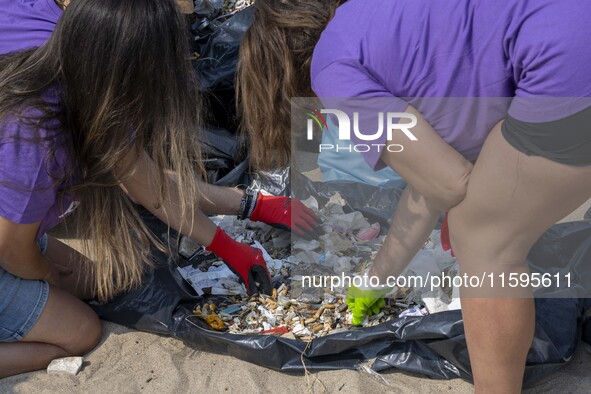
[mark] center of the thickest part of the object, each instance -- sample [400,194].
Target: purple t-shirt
[29,192]
[412,49]
[26,24]
[28,189]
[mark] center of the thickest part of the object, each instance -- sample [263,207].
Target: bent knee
[87,335]
[453,191]
[477,242]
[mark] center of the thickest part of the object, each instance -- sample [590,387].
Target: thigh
[21,303]
[511,200]
[66,322]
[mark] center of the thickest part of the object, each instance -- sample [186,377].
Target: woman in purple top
[505,170]
[103,115]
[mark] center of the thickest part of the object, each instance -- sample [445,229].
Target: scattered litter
[67,365]
[296,309]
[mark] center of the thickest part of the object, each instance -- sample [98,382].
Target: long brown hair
[274,66]
[124,83]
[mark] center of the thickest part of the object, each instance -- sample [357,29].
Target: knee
[452,191]
[477,243]
[87,336]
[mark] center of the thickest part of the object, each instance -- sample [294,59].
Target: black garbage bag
[216,41]
[217,45]
[225,158]
[433,346]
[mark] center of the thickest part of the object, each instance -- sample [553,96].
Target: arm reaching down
[245,261]
[437,177]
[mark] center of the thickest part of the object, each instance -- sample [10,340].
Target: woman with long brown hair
[532,158]
[103,115]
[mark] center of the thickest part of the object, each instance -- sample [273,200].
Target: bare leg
[511,200]
[67,327]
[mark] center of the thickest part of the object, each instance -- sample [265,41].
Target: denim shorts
[21,302]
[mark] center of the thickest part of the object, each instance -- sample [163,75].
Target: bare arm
[19,253]
[219,200]
[437,176]
[142,188]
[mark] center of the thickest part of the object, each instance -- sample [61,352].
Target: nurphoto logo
[394,121]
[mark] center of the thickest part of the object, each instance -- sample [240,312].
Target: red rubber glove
[245,261]
[286,213]
[445,242]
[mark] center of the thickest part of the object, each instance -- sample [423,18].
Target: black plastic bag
[216,41]
[225,158]
[218,50]
[432,345]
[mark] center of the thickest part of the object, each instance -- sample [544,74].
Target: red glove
[445,242]
[245,261]
[286,213]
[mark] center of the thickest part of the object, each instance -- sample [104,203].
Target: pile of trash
[306,303]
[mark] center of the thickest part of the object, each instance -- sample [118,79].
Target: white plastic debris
[435,301]
[335,205]
[306,245]
[414,311]
[335,242]
[67,365]
[300,330]
[270,317]
[346,223]
[311,203]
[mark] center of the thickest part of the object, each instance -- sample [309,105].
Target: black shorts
[565,141]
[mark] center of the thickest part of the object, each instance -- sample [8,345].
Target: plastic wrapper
[433,345]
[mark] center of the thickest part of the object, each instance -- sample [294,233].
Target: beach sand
[128,361]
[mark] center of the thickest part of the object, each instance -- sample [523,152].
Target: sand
[128,361]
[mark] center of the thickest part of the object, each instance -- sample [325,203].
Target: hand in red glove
[245,261]
[445,242]
[286,213]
